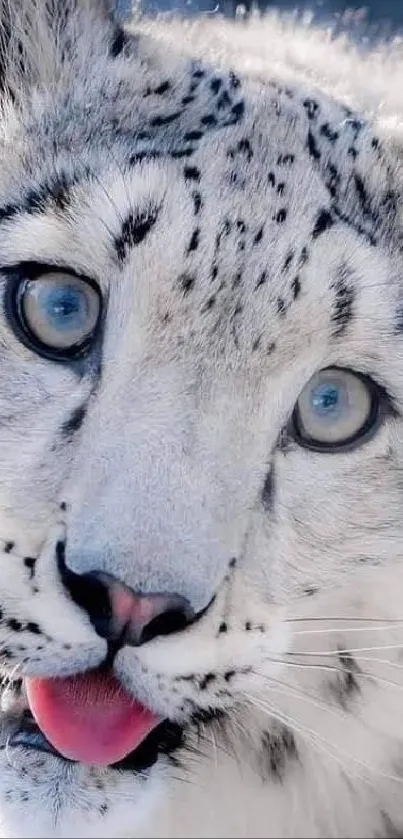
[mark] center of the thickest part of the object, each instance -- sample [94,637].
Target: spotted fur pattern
[236,192]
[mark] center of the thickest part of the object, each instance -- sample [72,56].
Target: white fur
[163,481]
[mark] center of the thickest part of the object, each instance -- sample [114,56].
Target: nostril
[88,592]
[173,620]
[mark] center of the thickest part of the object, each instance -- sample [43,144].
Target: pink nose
[121,615]
[136,618]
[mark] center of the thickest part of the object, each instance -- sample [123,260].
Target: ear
[39,38]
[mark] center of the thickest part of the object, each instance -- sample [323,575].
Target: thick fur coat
[234,193]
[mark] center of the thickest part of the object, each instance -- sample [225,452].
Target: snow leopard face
[200,418]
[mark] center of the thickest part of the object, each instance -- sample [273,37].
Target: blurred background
[374,19]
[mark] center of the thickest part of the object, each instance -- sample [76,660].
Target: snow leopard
[201,433]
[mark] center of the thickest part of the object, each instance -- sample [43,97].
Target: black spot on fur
[285,159]
[207,679]
[267,494]
[210,303]
[6,654]
[229,675]
[193,135]
[310,591]
[281,216]
[223,627]
[343,309]
[311,107]
[209,120]
[162,88]
[332,176]
[256,343]
[258,236]
[192,173]
[329,132]
[164,119]
[278,749]
[74,423]
[33,627]
[232,562]
[312,146]
[119,41]
[215,85]
[261,281]
[146,154]
[224,101]
[197,202]
[234,80]
[248,626]
[243,147]
[323,222]
[176,154]
[135,228]
[296,287]
[399,319]
[30,562]
[287,262]
[271,179]
[8,547]
[237,112]
[303,257]
[186,281]
[281,307]
[14,625]
[345,686]
[363,196]
[194,241]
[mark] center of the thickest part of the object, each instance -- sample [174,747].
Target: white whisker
[346,650]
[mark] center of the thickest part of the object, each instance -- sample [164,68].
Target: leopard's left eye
[53,311]
[337,408]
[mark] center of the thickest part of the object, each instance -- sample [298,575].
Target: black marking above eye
[343,307]
[134,230]
[38,198]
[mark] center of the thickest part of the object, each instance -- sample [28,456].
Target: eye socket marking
[337,410]
[54,312]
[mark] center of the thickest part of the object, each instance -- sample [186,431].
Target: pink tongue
[89,717]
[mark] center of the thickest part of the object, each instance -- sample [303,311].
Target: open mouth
[89,718]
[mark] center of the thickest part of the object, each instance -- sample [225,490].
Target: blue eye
[328,400]
[65,308]
[57,312]
[336,408]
